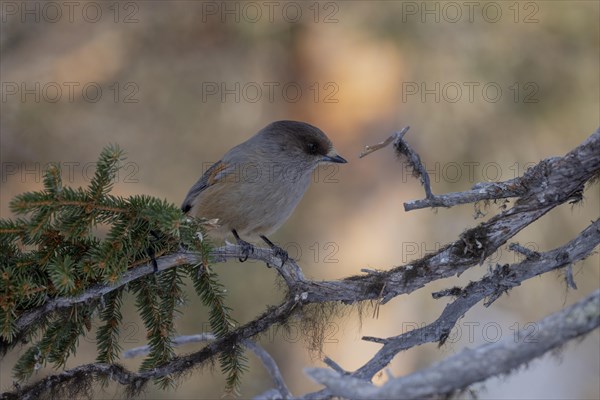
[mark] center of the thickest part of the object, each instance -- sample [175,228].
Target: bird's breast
[256,199]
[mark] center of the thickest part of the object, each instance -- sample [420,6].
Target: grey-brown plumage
[255,187]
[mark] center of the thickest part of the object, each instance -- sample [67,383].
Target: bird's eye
[311,148]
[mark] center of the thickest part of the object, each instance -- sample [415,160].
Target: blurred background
[488,88]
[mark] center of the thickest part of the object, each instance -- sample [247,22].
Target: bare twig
[485,191]
[271,367]
[403,149]
[528,253]
[333,365]
[569,278]
[393,137]
[177,341]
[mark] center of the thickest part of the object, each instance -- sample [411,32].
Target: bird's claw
[281,253]
[277,251]
[247,249]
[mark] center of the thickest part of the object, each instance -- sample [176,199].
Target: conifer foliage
[67,240]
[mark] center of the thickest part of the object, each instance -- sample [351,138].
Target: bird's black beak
[335,158]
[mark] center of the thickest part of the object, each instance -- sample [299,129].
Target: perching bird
[257,184]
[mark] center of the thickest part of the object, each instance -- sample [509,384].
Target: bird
[254,188]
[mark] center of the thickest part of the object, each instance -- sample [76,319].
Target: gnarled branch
[470,366]
[491,286]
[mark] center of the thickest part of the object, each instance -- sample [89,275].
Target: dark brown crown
[301,135]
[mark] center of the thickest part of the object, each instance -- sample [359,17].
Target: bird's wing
[213,175]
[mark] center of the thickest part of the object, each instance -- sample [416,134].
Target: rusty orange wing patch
[209,178]
[213,174]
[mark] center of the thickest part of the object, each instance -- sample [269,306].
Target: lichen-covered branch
[581,161]
[473,365]
[490,287]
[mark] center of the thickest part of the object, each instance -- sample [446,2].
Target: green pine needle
[66,240]
[107,335]
[212,293]
[62,273]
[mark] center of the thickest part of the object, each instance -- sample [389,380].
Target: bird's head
[300,143]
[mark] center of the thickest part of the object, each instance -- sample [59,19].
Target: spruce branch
[156,322]
[55,267]
[233,361]
[107,336]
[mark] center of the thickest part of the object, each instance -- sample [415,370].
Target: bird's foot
[247,249]
[281,253]
[277,251]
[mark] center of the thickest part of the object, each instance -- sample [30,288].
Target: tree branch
[177,341]
[290,272]
[481,191]
[266,359]
[470,366]
[29,318]
[530,183]
[77,379]
[491,286]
